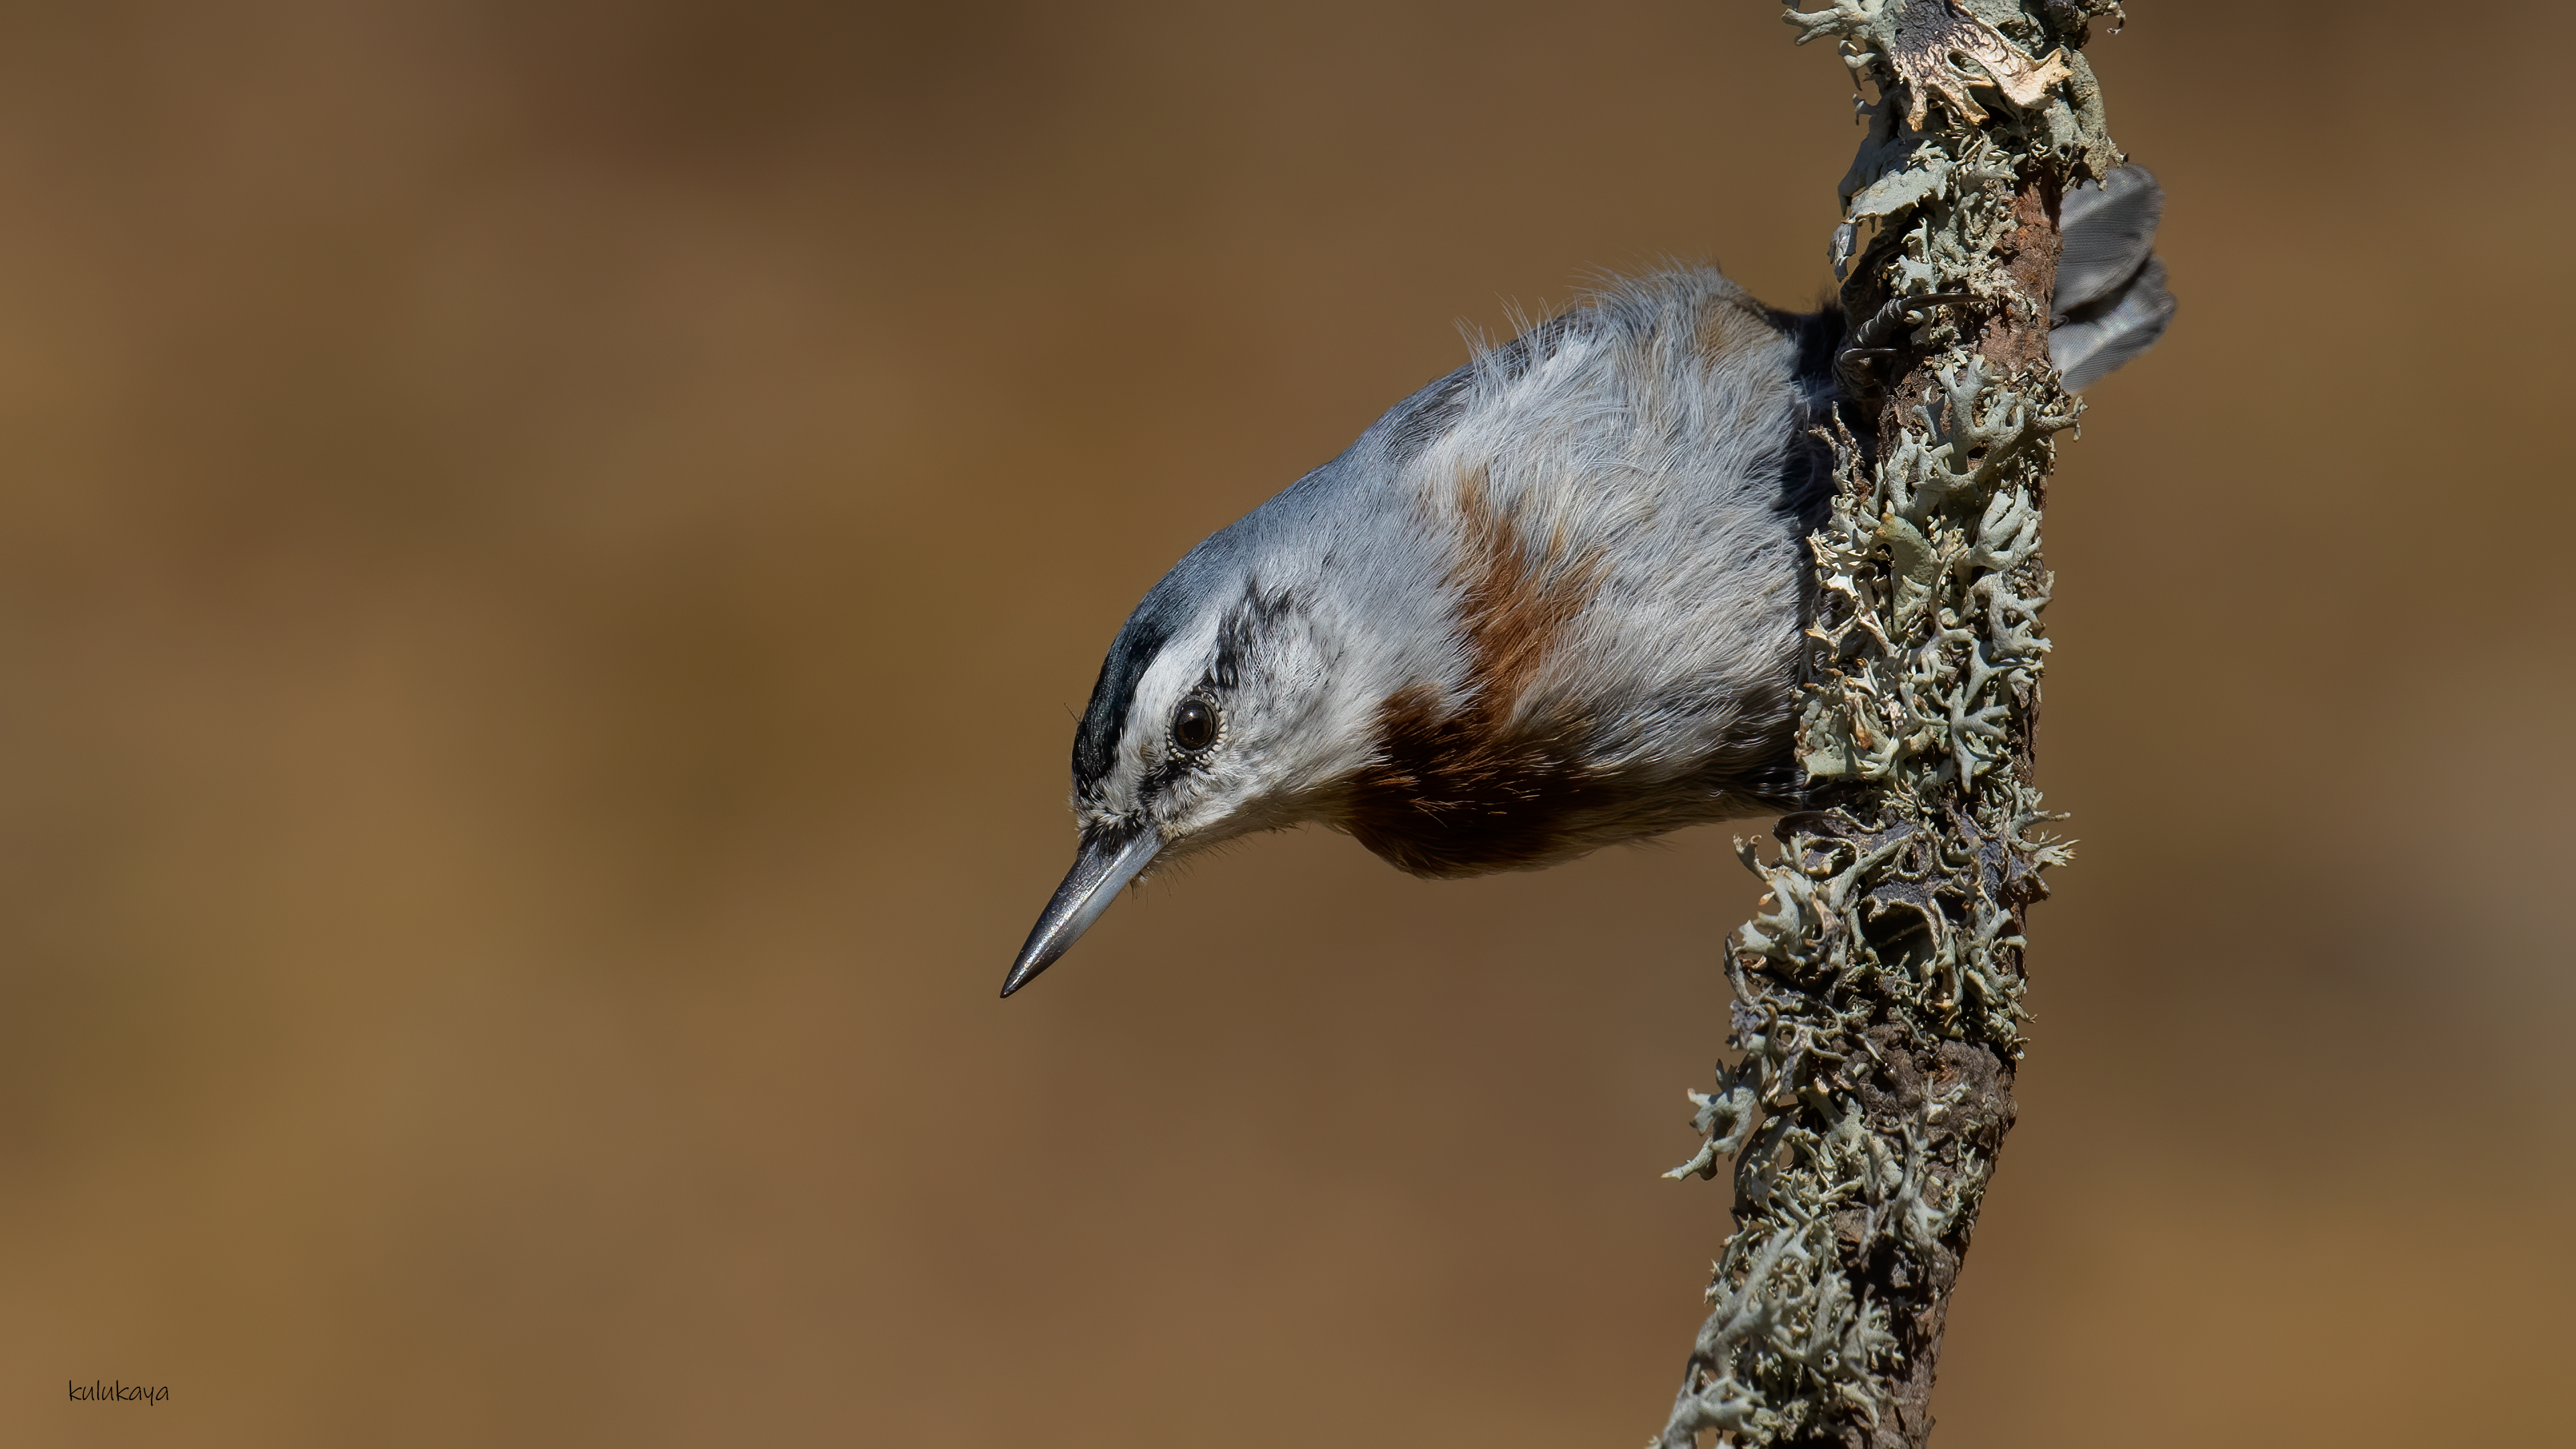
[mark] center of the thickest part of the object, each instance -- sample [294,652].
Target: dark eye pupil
[1193,725]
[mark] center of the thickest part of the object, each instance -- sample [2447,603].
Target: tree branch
[1879,990]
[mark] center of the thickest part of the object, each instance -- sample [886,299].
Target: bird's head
[1241,696]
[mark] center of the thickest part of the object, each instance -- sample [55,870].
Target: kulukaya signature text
[98,1391]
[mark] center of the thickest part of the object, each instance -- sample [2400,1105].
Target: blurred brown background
[545,554]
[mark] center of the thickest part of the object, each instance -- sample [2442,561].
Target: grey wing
[2111,297]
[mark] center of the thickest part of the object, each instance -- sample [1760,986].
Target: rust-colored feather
[1488,784]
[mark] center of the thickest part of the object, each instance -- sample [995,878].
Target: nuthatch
[1550,602]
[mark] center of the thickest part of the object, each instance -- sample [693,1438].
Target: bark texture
[1878,991]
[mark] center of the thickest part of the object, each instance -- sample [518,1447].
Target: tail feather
[2111,300]
[2087,347]
[2108,228]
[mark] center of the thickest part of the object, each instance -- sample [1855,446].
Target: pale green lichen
[1891,926]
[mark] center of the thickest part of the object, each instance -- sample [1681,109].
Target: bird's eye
[1194,724]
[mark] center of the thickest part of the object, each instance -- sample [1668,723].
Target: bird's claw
[1869,340]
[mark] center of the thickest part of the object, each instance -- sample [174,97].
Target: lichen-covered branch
[1878,991]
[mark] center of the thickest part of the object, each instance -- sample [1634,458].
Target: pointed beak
[1108,861]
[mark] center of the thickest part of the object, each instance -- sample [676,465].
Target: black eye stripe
[1240,635]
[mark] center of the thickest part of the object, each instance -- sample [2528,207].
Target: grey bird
[1551,602]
